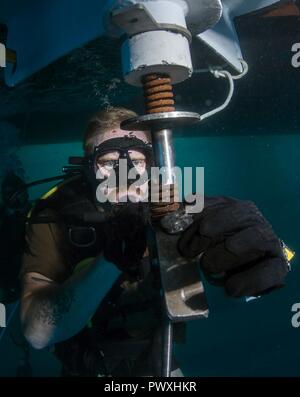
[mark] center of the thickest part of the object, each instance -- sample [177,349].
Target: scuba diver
[87,283]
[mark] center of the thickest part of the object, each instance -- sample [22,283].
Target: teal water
[255,338]
[251,151]
[238,338]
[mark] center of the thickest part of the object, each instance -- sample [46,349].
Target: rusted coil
[159,210]
[159,98]
[162,208]
[158,91]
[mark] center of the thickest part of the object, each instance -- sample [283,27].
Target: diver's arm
[52,312]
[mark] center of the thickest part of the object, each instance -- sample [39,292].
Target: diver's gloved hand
[239,247]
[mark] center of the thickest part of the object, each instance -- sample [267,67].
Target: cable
[244,72]
[224,74]
[227,75]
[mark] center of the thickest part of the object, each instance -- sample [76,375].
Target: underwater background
[249,151]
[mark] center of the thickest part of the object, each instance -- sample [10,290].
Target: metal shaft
[162,143]
[167,349]
[159,98]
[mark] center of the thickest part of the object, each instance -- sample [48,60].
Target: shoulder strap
[68,201]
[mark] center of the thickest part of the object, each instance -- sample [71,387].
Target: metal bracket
[137,19]
[183,288]
[158,121]
[202,15]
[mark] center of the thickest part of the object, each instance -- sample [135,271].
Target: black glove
[239,247]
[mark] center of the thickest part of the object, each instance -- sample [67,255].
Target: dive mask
[121,177]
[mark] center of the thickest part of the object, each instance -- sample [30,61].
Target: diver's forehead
[112,133]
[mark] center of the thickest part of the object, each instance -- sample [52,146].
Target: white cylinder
[156,52]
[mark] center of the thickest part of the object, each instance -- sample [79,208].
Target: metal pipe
[167,349]
[162,143]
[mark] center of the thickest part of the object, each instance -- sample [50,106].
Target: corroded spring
[161,208]
[159,98]
[158,91]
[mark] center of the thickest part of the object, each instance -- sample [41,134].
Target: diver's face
[111,163]
[107,162]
